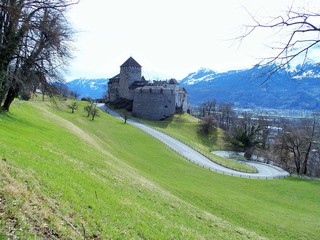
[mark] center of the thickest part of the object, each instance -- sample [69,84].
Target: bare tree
[296,144]
[208,108]
[202,110]
[246,134]
[93,112]
[125,116]
[34,45]
[88,109]
[73,106]
[211,106]
[225,115]
[207,125]
[74,94]
[301,30]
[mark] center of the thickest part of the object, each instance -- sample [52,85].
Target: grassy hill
[65,176]
[184,127]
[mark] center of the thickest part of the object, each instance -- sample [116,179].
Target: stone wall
[183,101]
[113,90]
[151,100]
[128,75]
[153,103]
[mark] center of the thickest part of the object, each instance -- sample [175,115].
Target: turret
[130,71]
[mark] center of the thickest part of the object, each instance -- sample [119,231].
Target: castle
[154,100]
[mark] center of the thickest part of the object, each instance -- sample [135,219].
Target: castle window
[166,106]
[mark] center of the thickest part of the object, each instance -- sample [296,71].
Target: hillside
[65,176]
[184,127]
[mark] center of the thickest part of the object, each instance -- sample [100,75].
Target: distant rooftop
[130,63]
[173,81]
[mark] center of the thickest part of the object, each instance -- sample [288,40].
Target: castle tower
[130,71]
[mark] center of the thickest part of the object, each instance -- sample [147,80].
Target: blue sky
[172,37]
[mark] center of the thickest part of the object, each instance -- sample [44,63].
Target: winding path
[265,171]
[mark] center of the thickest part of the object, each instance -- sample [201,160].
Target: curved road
[265,171]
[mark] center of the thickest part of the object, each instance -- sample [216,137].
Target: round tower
[130,71]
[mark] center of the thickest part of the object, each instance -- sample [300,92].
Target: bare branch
[298,26]
[34,40]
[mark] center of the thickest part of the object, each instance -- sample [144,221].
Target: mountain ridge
[89,88]
[288,88]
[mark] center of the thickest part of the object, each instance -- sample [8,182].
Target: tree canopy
[35,44]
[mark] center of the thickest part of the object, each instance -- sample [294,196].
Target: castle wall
[113,90]
[128,74]
[153,103]
[183,101]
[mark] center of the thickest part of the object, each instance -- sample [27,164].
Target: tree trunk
[306,158]
[12,93]
[248,153]
[2,89]
[310,141]
[298,164]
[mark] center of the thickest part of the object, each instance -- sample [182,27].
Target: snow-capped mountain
[203,74]
[93,88]
[96,88]
[288,88]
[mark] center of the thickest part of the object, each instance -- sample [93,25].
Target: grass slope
[184,127]
[64,176]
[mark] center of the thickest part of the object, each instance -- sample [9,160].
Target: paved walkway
[265,171]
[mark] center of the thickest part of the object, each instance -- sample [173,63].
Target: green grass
[238,157]
[184,127]
[63,175]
